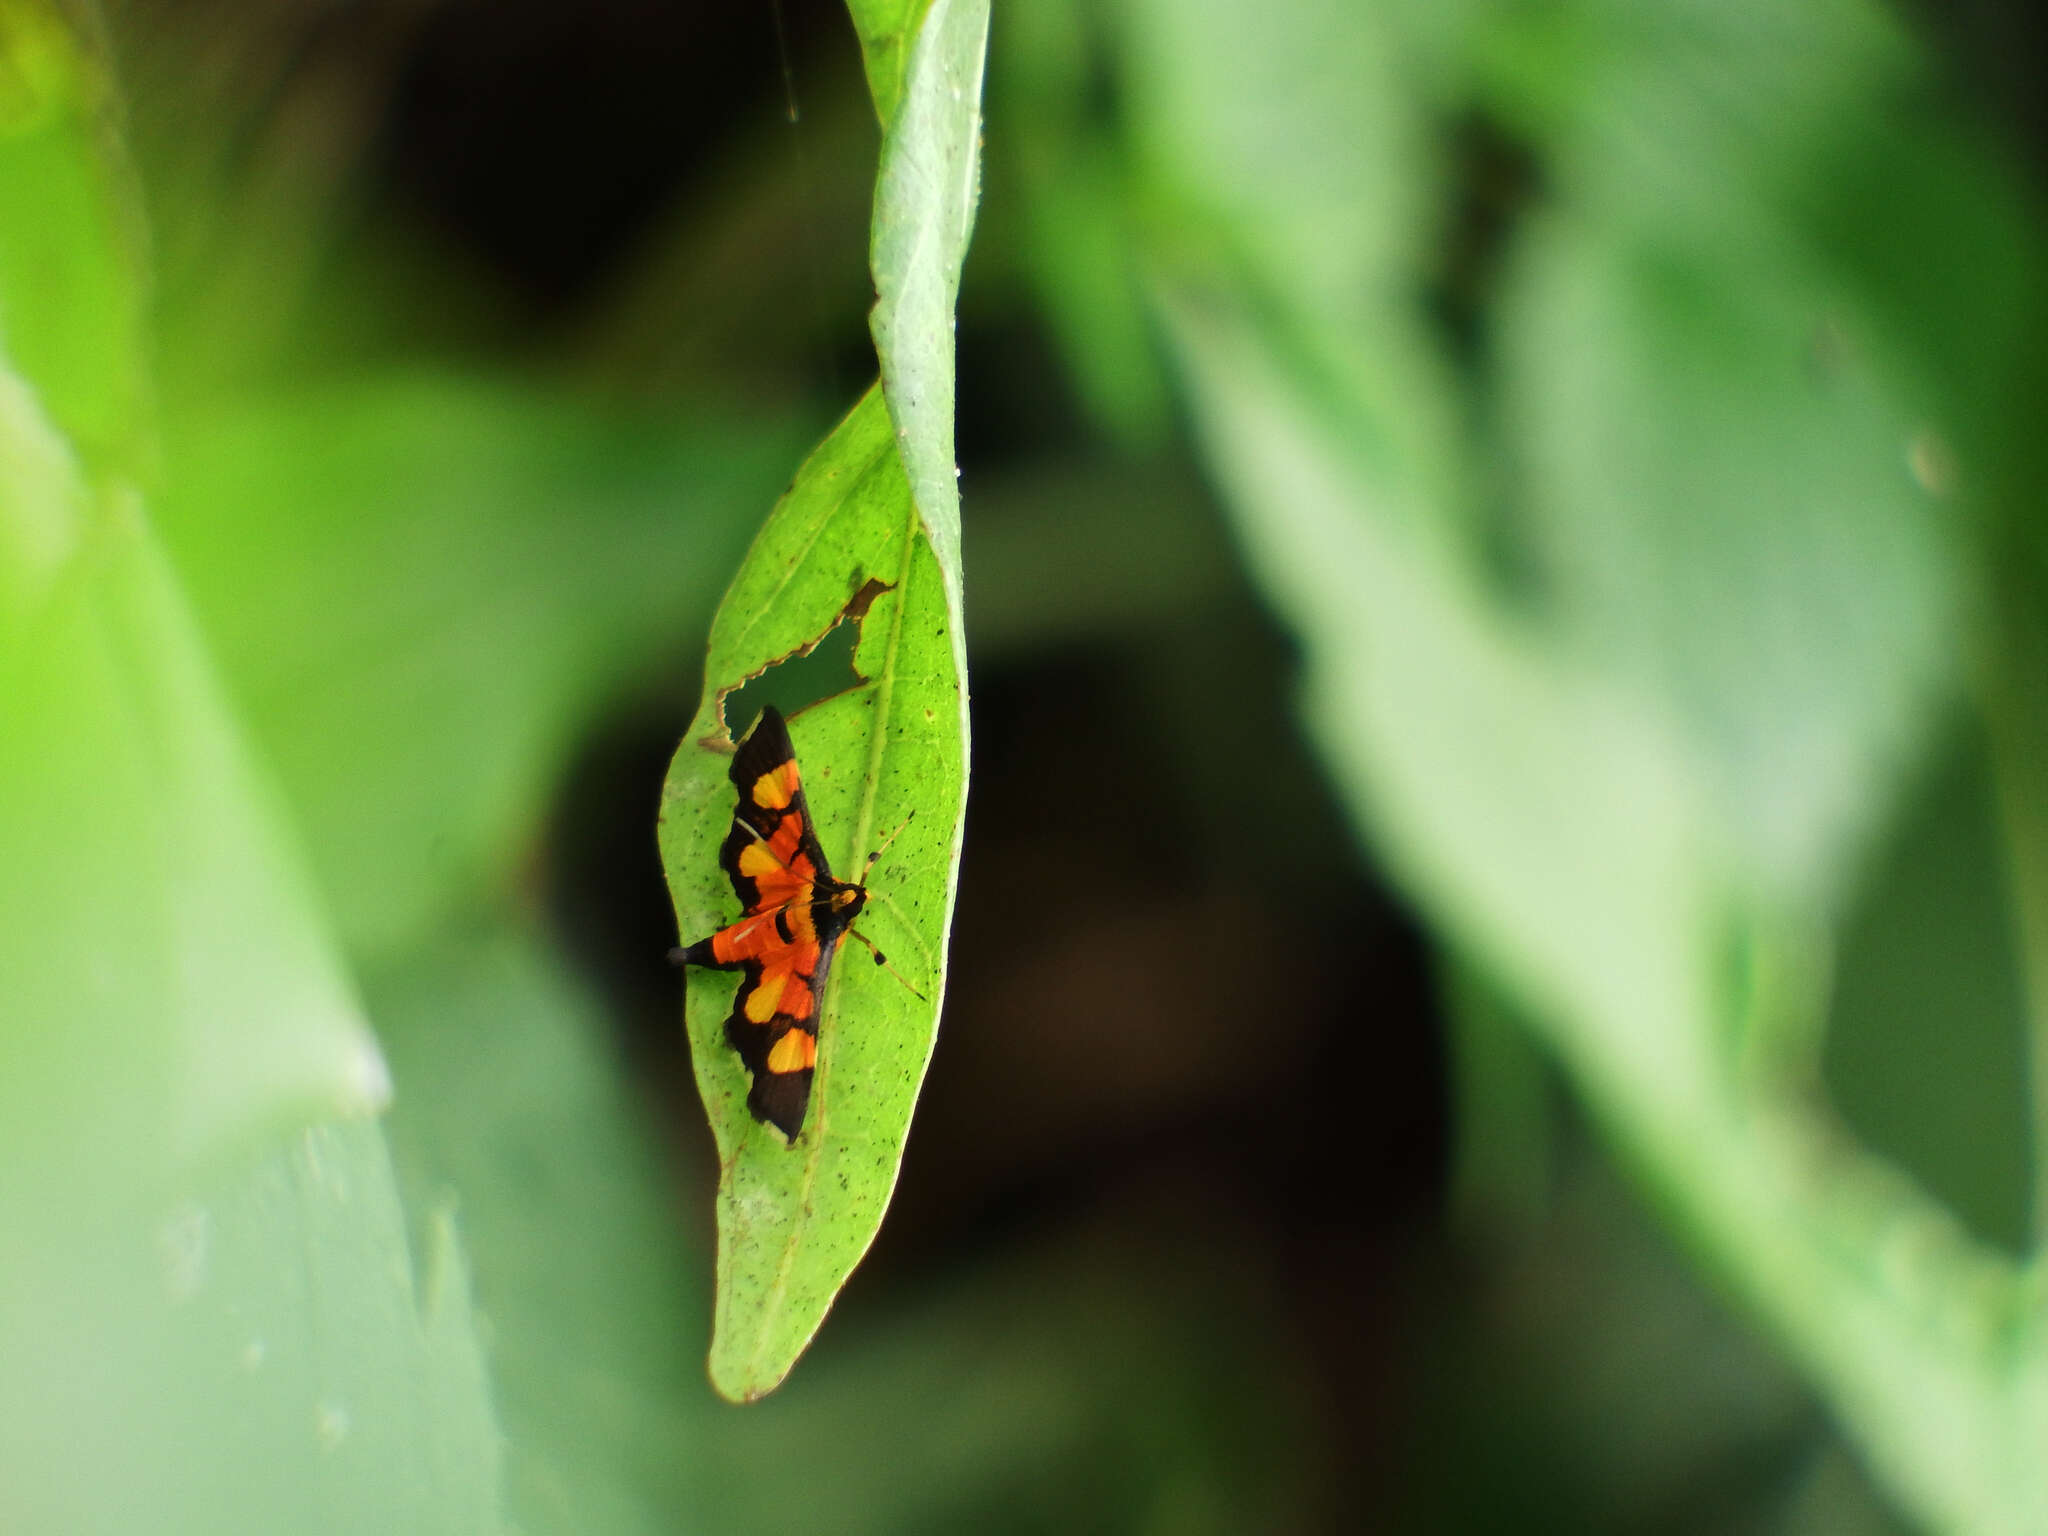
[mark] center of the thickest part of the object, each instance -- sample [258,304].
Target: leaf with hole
[868,536]
[795,1217]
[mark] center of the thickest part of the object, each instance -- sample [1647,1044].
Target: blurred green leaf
[424,586]
[1710,419]
[794,1219]
[1279,160]
[256,1352]
[593,1292]
[1718,493]
[171,990]
[210,1320]
[1485,770]
[1557,831]
[1075,191]
[1631,793]
[71,236]
[45,509]
[1283,134]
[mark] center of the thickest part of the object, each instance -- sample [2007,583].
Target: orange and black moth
[794,913]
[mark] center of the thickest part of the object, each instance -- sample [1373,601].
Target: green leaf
[1409,670]
[45,510]
[71,236]
[886,28]
[254,1352]
[1561,833]
[1280,156]
[877,503]
[1290,130]
[925,197]
[210,1319]
[593,1287]
[1630,785]
[1074,191]
[1703,434]
[793,1220]
[171,990]
[1709,417]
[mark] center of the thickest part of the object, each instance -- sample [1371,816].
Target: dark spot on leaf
[864,596]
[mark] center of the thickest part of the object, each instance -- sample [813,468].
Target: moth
[794,912]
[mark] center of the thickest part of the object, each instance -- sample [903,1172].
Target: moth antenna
[883,961]
[675,956]
[877,854]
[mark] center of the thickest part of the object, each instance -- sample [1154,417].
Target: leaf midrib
[885,688]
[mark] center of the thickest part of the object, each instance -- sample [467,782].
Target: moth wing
[781,1050]
[783,945]
[771,793]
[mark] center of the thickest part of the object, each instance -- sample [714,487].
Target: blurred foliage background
[1500,972]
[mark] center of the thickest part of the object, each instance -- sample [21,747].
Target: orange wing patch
[794,915]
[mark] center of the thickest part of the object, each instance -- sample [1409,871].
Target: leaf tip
[366,1079]
[741,1382]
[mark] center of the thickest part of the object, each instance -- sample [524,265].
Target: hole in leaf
[823,668]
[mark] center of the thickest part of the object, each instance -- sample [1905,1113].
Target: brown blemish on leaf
[862,600]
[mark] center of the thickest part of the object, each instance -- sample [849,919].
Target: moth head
[849,899]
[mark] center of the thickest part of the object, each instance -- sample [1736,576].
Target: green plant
[1627,411]
[216,1297]
[1626,717]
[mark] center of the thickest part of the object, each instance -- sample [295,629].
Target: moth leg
[883,961]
